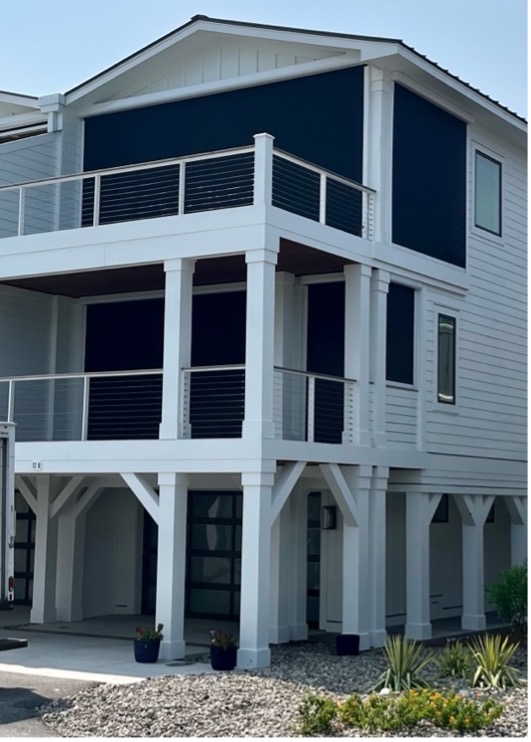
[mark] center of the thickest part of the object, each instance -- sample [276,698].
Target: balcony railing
[125,405]
[217,180]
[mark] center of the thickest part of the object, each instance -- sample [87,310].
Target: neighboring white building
[265,289]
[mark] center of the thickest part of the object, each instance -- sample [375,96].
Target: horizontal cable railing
[125,405]
[92,406]
[312,407]
[204,182]
[214,401]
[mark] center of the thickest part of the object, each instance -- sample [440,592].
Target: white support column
[259,343]
[378,340]
[357,318]
[474,510]
[45,570]
[377,554]
[298,561]
[517,507]
[255,576]
[70,559]
[171,563]
[279,578]
[377,145]
[177,344]
[420,508]
[355,617]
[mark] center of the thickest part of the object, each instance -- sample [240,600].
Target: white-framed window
[487,193]
[446,358]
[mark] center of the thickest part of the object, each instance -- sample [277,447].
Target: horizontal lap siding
[492,333]
[401,417]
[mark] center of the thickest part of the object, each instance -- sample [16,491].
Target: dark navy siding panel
[318,118]
[400,353]
[429,178]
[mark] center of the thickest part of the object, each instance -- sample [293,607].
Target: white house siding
[25,160]
[401,417]
[228,60]
[490,416]
[71,161]
[113,555]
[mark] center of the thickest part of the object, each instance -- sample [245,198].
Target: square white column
[357,319]
[517,508]
[298,564]
[171,562]
[474,510]
[356,601]
[70,560]
[259,344]
[45,569]
[177,345]
[377,551]
[420,508]
[280,556]
[255,570]
[378,342]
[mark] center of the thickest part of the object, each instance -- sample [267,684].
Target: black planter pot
[222,659]
[347,644]
[147,650]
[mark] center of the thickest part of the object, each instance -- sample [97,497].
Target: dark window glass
[487,206]
[446,359]
[400,333]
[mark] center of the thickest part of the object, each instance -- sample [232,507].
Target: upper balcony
[205,182]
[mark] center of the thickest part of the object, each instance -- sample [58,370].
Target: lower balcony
[126,405]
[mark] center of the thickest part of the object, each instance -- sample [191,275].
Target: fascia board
[21,120]
[28,101]
[218,86]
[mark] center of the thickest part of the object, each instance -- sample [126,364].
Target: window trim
[440,397]
[498,160]
[435,310]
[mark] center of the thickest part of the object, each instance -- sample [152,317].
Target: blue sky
[51,47]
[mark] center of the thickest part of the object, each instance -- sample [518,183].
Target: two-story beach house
[263,336]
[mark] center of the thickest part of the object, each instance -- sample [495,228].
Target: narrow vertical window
[487,207]
[446,360]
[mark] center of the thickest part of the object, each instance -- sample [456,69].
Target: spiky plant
[406,660]
[492,656]
[454,660]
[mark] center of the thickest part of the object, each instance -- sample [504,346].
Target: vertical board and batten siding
[25,160]
[225,61]
[490,416]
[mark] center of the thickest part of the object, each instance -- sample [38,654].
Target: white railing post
[182,188]
[322,198]
[263,169]
[367,223]
[21,210]
[85,408]
[10,401]
[348,413]
[186,430]
[97,194]
[310,409]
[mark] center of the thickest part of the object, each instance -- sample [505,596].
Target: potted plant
[222,650]
[147,643]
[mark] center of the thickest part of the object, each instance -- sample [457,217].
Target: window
[400,333]
[446,359]
[487,207]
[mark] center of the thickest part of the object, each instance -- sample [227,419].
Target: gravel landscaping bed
[259,703]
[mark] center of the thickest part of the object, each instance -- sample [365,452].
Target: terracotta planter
[222,659]
[146,650]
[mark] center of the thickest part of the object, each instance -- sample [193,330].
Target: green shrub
[454,661]
[509,593]
[491,656]
[316,715]
[406,660]
[400,712]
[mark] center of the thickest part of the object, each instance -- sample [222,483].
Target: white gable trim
[218,86]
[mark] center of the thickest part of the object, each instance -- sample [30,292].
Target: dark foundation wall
[318,118]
